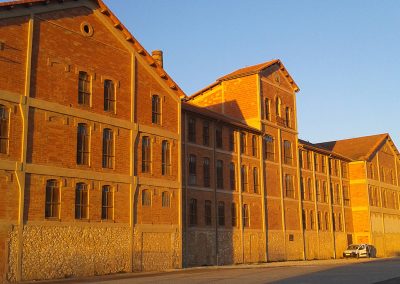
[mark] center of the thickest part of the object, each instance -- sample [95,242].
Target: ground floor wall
[285,245]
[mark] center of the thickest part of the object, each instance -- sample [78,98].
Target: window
[267,109]
[324,192]
[340,222]
[155,109]
[316,162]
[193,212]
[304,219]
[319,220]
[192,170]
[278,106]
[244,178]
[287,152]
[301,162]
[269,148]
[52,206]
[82,152]
[146,154]
[323,164]
[146,197]
[107,203]
[308,160]
[108,148]
[337,194]
[232,143]
[221,213]
[246,216]
[254,145]
[218,137]
[234,214]
[166,199]
[346,196]
[312,220]
[84,89]
[289,188]
[192,130]
[4,136]
[310,189]
[220,174]
[232,176]
[206,172]
[109,96]
[165,158]
[344,170]
[206,133]
[302,189]
[318,191]
[81,201]
[243,144]
[326,221]
[207,212]
[287,117]
[255,180]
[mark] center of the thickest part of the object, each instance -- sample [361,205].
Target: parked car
[360,250]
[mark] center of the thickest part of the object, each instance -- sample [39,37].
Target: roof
[360,148]
[322,150]
[216,116]
[247,71]
[117,25]
[255,69]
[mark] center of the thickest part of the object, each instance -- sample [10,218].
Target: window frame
[107,193]
[220,174]
[83,144]
[81,194]
[4,127]
[146,198]
[84,89]
[156,109]
[146,154]
[165,158]
[206,172]
[108,158]
[192,169]
[110,96]
[52,204]
[269,143]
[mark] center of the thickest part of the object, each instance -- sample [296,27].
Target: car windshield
[351,247]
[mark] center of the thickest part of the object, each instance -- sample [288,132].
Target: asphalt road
[376,271]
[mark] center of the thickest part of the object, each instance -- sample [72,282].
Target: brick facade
[255,192]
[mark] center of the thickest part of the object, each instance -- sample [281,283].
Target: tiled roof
[322,150]
[118,25]
[216,116]
[360,148]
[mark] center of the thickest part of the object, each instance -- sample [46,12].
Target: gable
[275,76]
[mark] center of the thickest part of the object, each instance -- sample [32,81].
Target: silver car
[361,250]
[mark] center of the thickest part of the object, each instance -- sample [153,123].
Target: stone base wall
[229,247]
[200,247]
[254,247]
[156,248]
[326,250]
[276,246]
[294,249]
[340,243]
[54,251]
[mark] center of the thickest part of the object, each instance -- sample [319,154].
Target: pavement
[335,271]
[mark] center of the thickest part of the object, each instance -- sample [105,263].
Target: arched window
[146,197]
[267,109]
[109,96]
[83,140]
[84,89]
[4,135]
[52,206]
[166,199]
[108,148]
[165,158]
[156,109]
[146,154]
[278,106]
[81,201]
[107,203]
[221,213]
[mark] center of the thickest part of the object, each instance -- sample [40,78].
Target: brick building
[106,166]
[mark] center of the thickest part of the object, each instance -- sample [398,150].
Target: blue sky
[344,55]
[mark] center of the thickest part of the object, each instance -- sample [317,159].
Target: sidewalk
[202,269]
